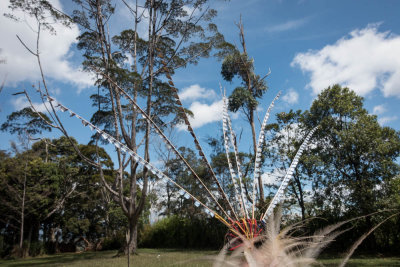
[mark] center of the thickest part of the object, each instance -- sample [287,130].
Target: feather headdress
[239,216]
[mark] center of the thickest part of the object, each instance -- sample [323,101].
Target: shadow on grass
[176,250]
[58,259]
[145,257]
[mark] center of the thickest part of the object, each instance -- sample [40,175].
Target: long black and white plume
[240,209]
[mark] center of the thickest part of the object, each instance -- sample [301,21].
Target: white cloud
[292,97]
[288,25]
[188,9]
[274,177]
[204,114]
[55,91]
[384,120]
[54,51]
[21,102]
[363,61]
[195,91]
[379,109]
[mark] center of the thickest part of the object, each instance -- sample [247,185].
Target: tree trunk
[301,198]
[21,237]
[28,247]
[131,246]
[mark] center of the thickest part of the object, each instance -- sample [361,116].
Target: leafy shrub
[36,249]
[179,232]
[112,243]
[5,248]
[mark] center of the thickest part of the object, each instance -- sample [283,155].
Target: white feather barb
[225,118]
[233,143]
[260,142]
[238,164]
[288,176]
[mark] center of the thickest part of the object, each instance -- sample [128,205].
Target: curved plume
[260,142]
[289,174]
[138,159]
[238,163]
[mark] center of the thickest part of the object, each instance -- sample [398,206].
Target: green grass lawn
[162,257]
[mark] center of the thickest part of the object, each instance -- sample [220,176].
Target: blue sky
[307,44]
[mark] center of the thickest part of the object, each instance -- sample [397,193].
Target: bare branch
[61,202]
[27,48]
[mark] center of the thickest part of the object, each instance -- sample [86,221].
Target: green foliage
[26,121]
[36,248]
[174,202]
[333,106]
[238,64]
[42,183]
[3,247]
[388,235]
[349,169]
[241,97]
[245,97]
[356,164]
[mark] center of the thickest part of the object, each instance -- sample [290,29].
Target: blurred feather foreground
[280,247]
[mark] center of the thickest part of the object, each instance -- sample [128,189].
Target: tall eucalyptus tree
[175,37]
[178,33]
[238,63]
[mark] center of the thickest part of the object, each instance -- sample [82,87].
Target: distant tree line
[51,200]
